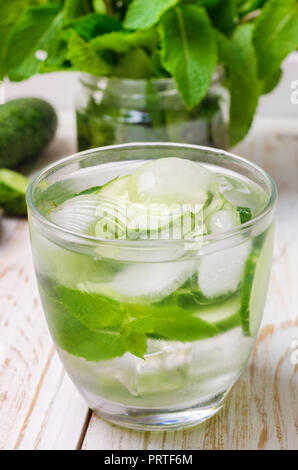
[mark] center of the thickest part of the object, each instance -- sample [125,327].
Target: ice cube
[142,283]
[222,221]
[245,193]
[166,368]
[225,353]
[220,273]
[172,180]
[150,281]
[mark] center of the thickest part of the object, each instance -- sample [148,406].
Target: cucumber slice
[245,214]
[220,274]
[110,227]
[77,214]
[111,209]
[146,226]
[134,221]
[220,215]
[165,224]
[137,219]
[217,202]
[115,189]
[122,218]
[111,219]
[142,283]
[13,187]
[255,283]
[80,213]
[225,315]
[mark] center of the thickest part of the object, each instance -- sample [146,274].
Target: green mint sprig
[96,327]
[185,39]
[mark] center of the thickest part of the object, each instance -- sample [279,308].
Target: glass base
[153,419]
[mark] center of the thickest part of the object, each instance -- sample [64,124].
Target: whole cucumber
[27,125]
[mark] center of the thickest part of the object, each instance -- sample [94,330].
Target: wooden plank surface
[39,406]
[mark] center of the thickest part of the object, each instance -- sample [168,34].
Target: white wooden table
[39,406]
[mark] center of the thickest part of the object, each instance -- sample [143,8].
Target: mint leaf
[135,343]
[75,338]
[134,64]
[142,14]
[84,58]
[10,12]
[97,328]
[238,55]
[177,324]
[142,319]
[173,323]
[75,8]
[271,81]
[99,6]
[188,50]
[123,41]
[56,47]
[158,69]
[92,25]
[275,34]
[247,6]
[33,31]
[206,3]
[93,310]
[223,15]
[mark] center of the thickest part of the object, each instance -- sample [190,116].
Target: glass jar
[194,304]
[116,111]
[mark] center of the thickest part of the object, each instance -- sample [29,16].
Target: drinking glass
[146,347]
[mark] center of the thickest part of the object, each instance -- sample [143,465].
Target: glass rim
[217,77]
[162,242]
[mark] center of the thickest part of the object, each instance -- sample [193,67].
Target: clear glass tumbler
[153,333]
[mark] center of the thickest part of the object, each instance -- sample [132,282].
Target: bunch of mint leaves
[185,39]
